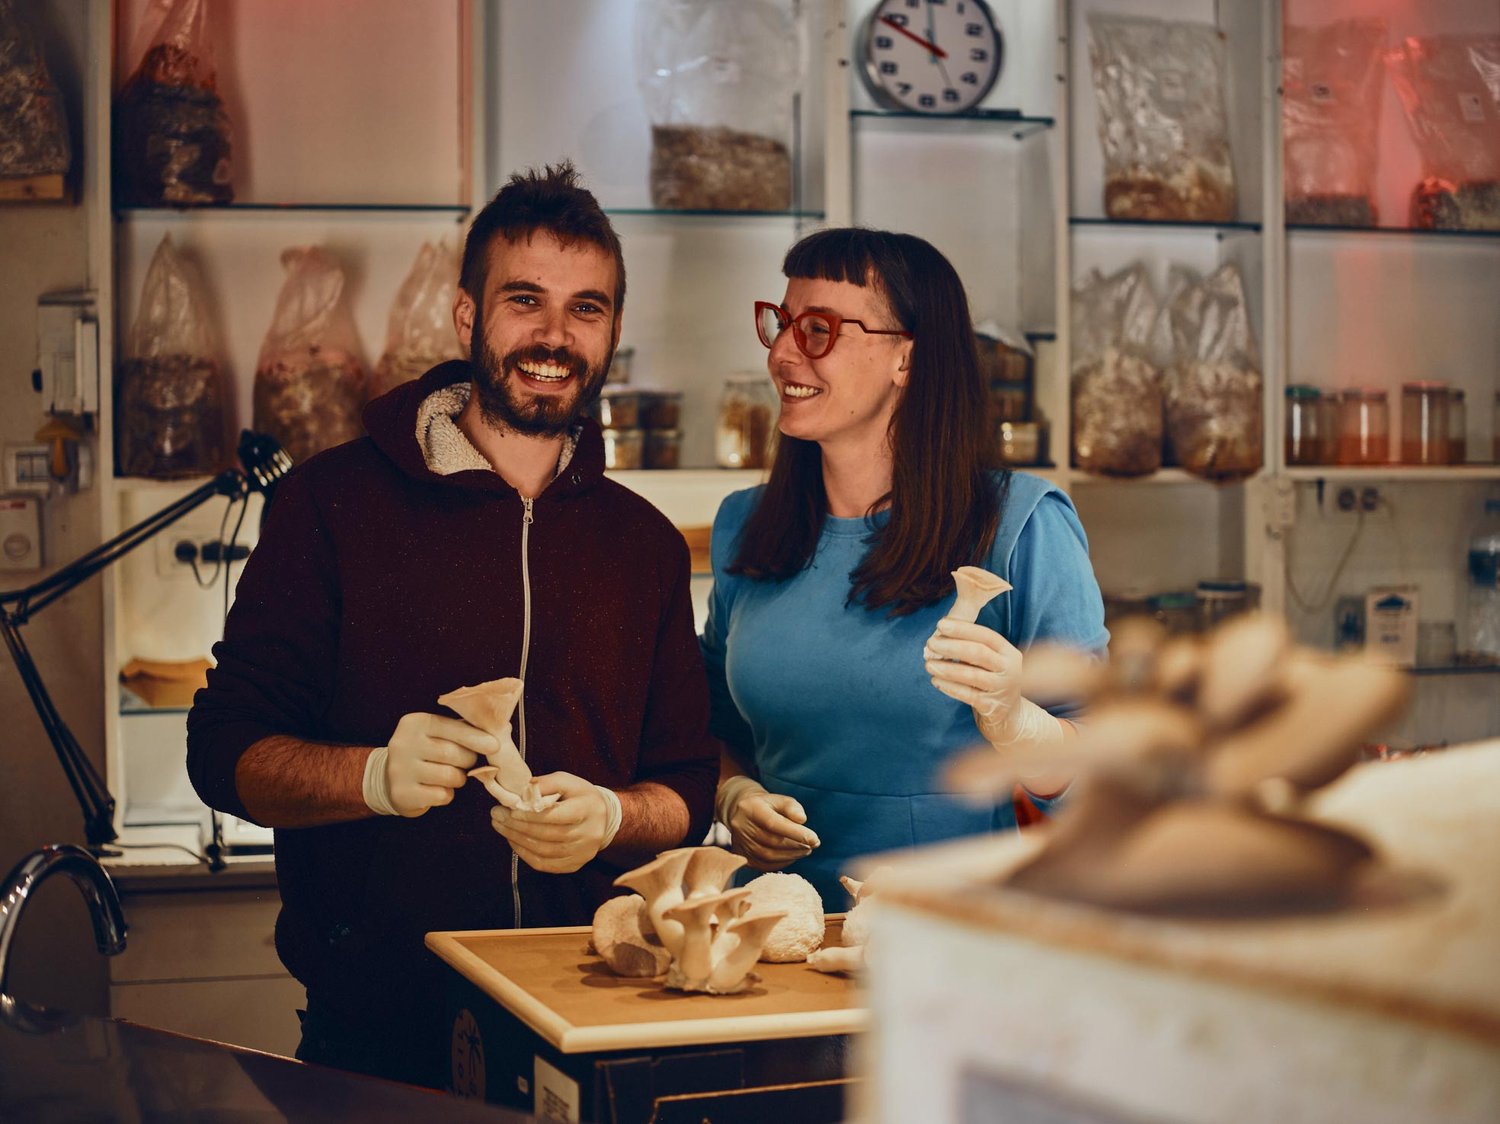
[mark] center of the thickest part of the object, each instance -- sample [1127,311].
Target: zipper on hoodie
[526,520]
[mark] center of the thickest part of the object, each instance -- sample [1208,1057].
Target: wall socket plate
[20,533]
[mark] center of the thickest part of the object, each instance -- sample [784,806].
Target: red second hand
[915,38]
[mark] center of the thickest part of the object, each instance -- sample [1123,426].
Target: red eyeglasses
[814,333]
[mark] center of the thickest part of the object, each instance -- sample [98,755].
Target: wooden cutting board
[550,981]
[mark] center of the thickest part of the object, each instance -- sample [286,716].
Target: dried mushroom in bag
[419,333]
[171,134]
[1213,385]
[1450,88]
[309,380]
[33,127]
[718,81]
[1332,78]
[170,392]
[1116,384]
[1162,122]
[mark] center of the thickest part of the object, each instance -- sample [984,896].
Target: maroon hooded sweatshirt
[378,585]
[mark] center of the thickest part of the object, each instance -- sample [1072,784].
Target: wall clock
[930,56]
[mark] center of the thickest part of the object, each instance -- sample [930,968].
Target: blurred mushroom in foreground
[1192,764]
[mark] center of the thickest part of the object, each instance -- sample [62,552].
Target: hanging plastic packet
[419,333]
[1332,78]
[171,134]
[718,81]
[1116,383]
[309,379]
[1450,88]
[1162,122]
[1212,388]
[170,391]
[33,127]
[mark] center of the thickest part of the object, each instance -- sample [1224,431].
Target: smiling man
[472,535]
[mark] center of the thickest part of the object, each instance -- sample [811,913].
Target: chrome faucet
[85,871]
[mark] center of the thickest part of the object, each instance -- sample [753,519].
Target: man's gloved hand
[562,837]
[423,765]
[763,826]
[978,666]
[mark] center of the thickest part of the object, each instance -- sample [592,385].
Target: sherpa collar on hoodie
[446,448]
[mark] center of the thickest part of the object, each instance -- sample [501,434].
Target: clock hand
[935,50]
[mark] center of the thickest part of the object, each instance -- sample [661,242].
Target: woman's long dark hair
[943,506]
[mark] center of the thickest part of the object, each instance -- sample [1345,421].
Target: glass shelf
[1406,231]
[457,211]
[1021,124]
[661,212]
[1437,473]
[1220,228]
[1160,476]
[1456,669]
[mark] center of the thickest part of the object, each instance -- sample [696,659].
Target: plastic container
[747,419]
[1458,427]
[1306,440]
[663,448]
[619,366]
[1481,640]
[1364,427]
[1217,601]
[1176,611]
[1424,422]
[617,410]
[661,409]
[624,448]
[1023,442]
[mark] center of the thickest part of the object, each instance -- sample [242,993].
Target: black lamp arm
[34,598]
[264,464]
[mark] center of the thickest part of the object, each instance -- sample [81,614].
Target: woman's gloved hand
[763,826]
[423,765]
[978,666]
[564,836]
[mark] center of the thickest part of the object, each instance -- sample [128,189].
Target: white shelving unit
[358,146]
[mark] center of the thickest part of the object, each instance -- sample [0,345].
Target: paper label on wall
[1391,624]
[556,1093]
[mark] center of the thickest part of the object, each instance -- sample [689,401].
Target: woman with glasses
[836,690]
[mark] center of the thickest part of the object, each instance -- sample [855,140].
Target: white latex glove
[763,826]
[978,666]
[423,765]
[563,836]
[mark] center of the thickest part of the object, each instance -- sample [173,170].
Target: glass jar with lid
[1176,611]
[747,420]
[1424,422]
[1306,440]
[1364,426]
[1217,601]
[1458,426]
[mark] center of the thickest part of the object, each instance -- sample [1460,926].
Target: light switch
[67,346]
[20,533]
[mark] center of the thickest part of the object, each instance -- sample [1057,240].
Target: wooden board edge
[699,1032]
[50,188]
[535,1014]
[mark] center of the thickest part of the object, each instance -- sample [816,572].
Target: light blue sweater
[832,703]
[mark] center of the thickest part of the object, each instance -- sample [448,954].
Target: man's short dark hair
[550,200]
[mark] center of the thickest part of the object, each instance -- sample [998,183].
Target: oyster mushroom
[976,588]
[659,882]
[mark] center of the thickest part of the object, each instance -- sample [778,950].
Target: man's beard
[537,415]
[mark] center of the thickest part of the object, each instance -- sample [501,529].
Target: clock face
[930,56]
